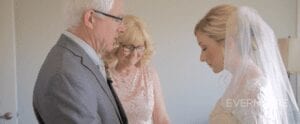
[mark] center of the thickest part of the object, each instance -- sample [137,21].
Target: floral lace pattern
[136,95]
[252,102]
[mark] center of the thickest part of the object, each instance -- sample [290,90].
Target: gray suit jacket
[70,89]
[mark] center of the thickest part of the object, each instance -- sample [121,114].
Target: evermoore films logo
[254,102]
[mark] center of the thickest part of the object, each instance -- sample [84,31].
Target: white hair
[74,9]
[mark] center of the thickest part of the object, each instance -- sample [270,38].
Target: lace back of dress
[250,42]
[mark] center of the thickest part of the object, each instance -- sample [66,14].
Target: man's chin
[106,51]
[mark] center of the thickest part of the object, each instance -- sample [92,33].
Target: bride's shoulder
[256,82]
[256,86]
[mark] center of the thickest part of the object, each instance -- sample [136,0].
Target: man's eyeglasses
[116,18]
[131,48]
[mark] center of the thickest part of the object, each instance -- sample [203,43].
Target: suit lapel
[90,65]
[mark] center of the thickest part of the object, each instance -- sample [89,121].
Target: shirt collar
[87,48]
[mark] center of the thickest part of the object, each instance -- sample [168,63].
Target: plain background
[189,86]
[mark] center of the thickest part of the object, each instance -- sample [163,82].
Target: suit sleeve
[69,101]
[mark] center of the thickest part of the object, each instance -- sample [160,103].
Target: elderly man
[71,87]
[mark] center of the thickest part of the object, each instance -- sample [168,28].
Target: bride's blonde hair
[214,22]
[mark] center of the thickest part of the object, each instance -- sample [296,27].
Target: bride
[237,40]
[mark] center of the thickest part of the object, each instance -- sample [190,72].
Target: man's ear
[88,19]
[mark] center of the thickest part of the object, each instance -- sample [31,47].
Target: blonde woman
[136,83]
[238,40]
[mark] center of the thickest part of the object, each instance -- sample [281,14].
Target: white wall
[38,26]
[190,88]
[8,82]
[298,36]
[298,18]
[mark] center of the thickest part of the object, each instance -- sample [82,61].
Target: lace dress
[140,96]
[252,102]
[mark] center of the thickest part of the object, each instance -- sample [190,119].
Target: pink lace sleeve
[160,115]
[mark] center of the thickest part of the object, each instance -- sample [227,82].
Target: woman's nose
[202,57]
[134,53]
[121,28]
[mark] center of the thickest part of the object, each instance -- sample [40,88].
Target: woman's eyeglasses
[131,48]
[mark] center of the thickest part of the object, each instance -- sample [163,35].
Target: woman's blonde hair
[214,22]
[135,33]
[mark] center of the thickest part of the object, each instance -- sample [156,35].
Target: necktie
[123,118]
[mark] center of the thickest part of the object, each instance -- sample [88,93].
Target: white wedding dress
[251,102]
[259,90]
